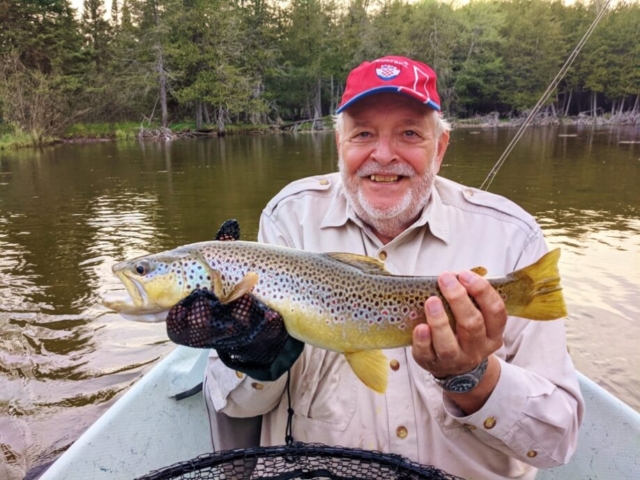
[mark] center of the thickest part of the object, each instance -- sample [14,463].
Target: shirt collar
[340,212]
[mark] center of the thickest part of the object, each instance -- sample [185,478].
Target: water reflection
[68,213]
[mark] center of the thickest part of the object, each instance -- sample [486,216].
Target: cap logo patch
[387,72]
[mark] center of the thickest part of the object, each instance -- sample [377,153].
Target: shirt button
[239,374]
[468,426]
[489,423]
[401,432]
[532,453]
[324,181]
[394,364]
[257,386]
[383,255]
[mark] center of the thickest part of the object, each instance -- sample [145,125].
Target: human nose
[384,151]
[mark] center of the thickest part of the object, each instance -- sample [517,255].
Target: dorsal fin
[229,230]
[366,264]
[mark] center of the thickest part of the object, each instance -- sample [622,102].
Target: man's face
[389,156]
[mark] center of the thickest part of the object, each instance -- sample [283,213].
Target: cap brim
[399,90]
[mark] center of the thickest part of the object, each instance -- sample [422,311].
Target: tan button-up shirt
[532,417]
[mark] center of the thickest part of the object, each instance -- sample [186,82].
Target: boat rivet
[489,423]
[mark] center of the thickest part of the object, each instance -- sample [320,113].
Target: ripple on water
[600,268]
[59,372]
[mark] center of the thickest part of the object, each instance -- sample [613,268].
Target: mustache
[374,168]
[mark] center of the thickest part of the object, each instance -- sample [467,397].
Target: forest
[267,62]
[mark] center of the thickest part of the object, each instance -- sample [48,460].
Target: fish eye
[142,268]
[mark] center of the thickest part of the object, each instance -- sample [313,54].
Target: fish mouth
[124,305]
[133,304]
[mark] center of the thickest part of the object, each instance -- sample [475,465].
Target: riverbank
[106,132]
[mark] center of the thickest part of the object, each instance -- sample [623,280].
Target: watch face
[461,384]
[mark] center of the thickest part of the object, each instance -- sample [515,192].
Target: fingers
[445,343]
[492,308]
[422,348]
[480,317]
[470,324]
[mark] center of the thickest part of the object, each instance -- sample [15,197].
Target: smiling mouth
[384,178]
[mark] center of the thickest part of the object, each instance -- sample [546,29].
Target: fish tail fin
[538,294]
[371,367]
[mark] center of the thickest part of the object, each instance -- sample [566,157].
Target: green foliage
[15,139]
[224,63]
[119,130]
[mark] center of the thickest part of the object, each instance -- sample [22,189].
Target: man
[519,407]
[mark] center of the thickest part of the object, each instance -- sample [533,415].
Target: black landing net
[299,461]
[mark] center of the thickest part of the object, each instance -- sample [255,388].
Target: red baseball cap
[391,74]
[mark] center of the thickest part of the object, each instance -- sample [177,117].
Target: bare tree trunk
[198,114]
[205,111]
[221,129]
[594,104]
[317,114]
[307,108]
[162,78]
[635,105]
[257,117]
[332,108]
[568,105]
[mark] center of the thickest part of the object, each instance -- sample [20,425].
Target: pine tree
[96,30]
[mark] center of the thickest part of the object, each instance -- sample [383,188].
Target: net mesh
[299,461]
[246,333]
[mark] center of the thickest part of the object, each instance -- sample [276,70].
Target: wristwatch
[465,382]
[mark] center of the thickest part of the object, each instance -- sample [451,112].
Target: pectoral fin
[370,366]
[242,287]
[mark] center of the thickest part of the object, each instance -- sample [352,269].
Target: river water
[69,212]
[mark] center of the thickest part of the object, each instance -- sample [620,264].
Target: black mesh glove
[248,336]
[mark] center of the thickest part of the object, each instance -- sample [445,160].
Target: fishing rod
[545,96]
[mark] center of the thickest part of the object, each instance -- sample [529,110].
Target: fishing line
[545,96]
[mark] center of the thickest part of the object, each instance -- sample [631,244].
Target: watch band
[464,382]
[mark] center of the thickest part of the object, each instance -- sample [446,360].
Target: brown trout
[337,301]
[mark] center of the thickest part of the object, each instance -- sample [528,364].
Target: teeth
[384,178]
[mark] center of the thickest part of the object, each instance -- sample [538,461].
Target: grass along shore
[11,138]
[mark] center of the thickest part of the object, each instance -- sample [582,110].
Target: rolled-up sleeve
[238,395]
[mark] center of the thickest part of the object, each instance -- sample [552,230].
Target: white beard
[393,220]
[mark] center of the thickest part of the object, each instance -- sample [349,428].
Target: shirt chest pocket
[327,395]
[449,426]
